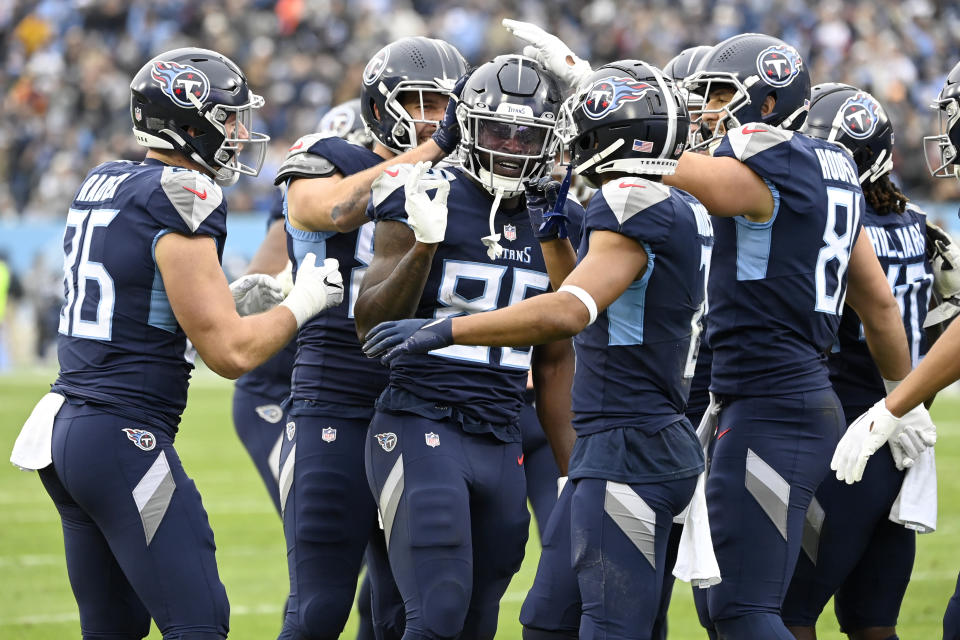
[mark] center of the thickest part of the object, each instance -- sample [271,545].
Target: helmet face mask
[197,102]
[508,116]
[943,147]
[407,66]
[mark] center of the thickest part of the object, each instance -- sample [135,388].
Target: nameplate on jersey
[898,243]
[100,187]
[837,166]
[192,194]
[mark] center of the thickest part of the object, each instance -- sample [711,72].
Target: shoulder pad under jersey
[300,163]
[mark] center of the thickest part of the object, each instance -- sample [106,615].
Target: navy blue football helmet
[753,66]
[853,118]
[508,113]
[345,121]
[197,102]
[943,147]
[682,66]
[627,117]
[419,65]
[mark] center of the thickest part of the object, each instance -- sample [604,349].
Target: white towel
[31,451]
[916,504]
[696,561]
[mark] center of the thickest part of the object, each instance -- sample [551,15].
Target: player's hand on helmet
[551,52]
[396,337]
[426,216]
[916,434]
[447,135]
[541,196]
[255,293]
[864,436]
[318,287]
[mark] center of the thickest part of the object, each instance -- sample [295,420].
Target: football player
[142,249]
[635,299]
[852,549]
[443,452]
[329,513]
[899,417]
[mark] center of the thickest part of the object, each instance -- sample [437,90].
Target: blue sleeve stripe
[625,315]
[161,314]
[753,241]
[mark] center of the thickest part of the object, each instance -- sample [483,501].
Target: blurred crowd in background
[65,66]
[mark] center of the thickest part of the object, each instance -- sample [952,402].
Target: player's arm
[552,367]
[868,293]
[203,305]
[560,259]
[725,186]
[339,203]
[939,368]
[394,281]
[271,257]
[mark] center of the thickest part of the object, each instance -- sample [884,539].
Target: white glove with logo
[318,287]
[551,52]
[868,433]
[427,218]
[916,434]
[255,293]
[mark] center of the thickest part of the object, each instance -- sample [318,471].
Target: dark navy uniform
[258,398]
[776,294]
[539,466]
[636,457]
[443,453]
[859,554]
[329,514]
[137,539]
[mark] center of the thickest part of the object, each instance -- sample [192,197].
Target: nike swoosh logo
[299,145]
[520,459]
[392,174]
[627,185]
[746,131]
[202,196]
[435,322]
[723,433]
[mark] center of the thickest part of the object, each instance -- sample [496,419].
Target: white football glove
[868,433]
[916,434]
[285,278]
[318,287]
[427,218]
[255,293]
[945,262]
[551,52]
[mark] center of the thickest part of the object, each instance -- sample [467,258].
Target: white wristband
[584,297]
[890,385]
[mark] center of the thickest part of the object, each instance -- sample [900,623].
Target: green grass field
[36,602]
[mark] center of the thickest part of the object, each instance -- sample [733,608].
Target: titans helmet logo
[376,66]
[860,115]
[338,121]
[387,441]
[143,439]
[180,81]
[779,65]
[609,94]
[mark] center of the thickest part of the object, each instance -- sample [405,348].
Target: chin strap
[494,250]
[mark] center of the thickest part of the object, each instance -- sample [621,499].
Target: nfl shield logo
[509,232]
[432,439]
[329,434]
[291,430]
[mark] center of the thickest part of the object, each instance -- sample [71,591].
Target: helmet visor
[243,150]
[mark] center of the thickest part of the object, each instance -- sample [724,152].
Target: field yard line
[56,618]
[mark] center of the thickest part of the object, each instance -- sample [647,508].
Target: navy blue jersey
[485,385]
[635,363]
[777,288]
[272,378]
[120,344]
[330,367]
[899,240]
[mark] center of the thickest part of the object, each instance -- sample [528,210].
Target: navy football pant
[259,423]
[951,619]
[539,466]
[328,518]
[136,536]
[853,550]
[455,517]
[770,456]
[602,580]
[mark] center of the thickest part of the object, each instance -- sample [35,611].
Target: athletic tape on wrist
[584,297]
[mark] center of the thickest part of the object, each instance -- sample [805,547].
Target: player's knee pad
[323,616]
[754,625]
[529,633]
[443,608]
